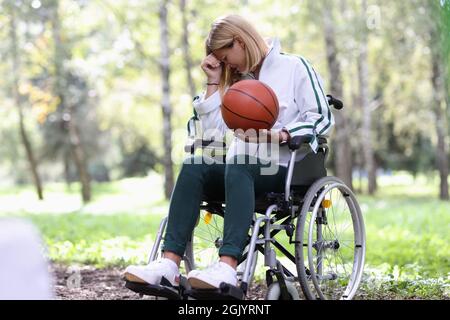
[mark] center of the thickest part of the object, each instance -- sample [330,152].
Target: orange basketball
[250,104]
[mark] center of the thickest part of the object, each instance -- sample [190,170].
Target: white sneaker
[153,272]
[212,276]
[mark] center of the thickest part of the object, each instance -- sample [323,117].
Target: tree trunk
[66,159]
[439,108]
[165,103]
[363,76]
[79,157]
[17,98]
[186,49]
[343,158]
[65,108]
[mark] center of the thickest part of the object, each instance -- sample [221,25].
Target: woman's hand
[212,68]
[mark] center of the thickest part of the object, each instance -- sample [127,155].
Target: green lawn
[408,243]
[408,239]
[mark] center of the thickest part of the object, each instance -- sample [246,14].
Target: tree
[164,65]
[15,57]
[343,155]
[438,75]
[186,48]
[366,129]
[66,107]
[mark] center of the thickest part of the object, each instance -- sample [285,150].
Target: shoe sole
[132,278]
[200,284]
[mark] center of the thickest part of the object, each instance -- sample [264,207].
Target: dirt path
[89,283]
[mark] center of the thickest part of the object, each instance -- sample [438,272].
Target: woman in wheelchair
[236,51]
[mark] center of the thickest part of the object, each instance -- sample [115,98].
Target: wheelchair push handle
[336,103]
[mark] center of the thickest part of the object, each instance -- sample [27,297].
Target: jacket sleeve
[208,112]
[314,118]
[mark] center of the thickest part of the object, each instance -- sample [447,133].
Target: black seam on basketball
[267,109]
[275,100]
[243,116]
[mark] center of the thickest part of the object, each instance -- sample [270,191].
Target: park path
[90,283]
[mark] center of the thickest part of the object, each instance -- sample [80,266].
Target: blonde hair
[224,32]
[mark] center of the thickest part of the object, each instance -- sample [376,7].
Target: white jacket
[303,106]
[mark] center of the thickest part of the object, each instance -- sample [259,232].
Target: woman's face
[233,56]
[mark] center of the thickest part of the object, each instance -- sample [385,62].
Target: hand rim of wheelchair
[309,283]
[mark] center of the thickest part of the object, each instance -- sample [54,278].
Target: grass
[408,243]
[408,239]
[408,227]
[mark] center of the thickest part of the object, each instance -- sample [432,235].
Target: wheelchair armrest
[296,142]
[199,143]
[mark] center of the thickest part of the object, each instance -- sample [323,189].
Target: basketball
[249,104]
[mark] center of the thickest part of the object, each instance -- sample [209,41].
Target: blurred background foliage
[95,66]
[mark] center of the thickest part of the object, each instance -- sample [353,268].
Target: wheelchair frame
[288,206]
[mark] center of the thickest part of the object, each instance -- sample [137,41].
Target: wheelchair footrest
[225,292]
[165,289]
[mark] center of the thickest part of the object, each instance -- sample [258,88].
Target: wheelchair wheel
[330,241]
[203,248]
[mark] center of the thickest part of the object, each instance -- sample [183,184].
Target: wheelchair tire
[324,255]
[274,291]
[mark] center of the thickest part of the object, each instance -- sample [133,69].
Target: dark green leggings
[239,184]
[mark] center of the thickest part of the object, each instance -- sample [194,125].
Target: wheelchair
[311,237]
